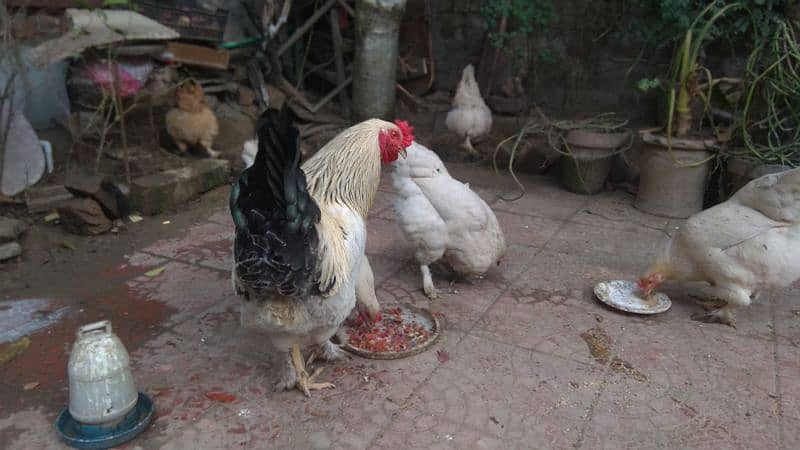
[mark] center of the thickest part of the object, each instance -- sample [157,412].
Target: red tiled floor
[517,369]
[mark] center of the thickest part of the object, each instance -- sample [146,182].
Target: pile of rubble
[10,231]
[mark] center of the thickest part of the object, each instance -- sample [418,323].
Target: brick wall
[589,73]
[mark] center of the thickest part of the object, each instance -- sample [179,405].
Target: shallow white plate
[626,296]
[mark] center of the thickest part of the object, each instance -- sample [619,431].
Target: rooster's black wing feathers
[275,248]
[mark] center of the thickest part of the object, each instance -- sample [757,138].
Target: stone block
[152,194]
[112,197]
[10,250]
[10,229]
[46,198]
[84,216]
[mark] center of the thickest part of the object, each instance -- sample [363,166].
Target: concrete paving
[528,358]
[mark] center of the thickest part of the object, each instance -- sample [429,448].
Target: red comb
[407,130]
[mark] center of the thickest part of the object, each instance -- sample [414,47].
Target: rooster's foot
[722,315]
[306,383]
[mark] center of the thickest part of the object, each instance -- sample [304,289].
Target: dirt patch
[601,348]
[89,281]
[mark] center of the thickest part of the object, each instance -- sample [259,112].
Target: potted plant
[675,158]
[770,118]
[764,136]
[587,152]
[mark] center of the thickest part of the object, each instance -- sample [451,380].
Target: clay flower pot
[674,174]
[585,169]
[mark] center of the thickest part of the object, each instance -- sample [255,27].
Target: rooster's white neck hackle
[345,172]
[347,169]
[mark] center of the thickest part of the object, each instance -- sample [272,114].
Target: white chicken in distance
[741,247]
[469,118]
[443,217]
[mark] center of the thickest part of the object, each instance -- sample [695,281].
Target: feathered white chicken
[301,233]
[741,247]
[469,118]
[443,217]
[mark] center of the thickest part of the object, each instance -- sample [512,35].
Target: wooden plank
[196,55]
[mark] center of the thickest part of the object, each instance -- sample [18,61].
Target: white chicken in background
[443,217]
[469,118]
[741,247]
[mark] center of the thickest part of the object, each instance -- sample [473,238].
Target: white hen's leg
[468,145]
[734,297]
[427,282]
[331,351]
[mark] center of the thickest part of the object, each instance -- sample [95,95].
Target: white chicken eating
[300,236]
[443,217]
[469,118]
[741,247]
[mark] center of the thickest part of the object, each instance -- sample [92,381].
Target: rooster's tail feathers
[275,216]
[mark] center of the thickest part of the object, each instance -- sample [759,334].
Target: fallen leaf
[30,386]
[223,397]
[67,245]
[14,349]
[443,356]
[155,272]
[51,217]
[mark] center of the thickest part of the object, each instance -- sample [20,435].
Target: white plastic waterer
[101,386]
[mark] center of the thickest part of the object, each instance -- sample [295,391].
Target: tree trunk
[375,65]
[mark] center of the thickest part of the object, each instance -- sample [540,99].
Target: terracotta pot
[593,139]
[672,183]
[586,168]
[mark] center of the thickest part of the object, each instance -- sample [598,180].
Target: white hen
[442,216]
[741,247]
[469,118]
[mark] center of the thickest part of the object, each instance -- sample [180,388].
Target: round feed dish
[626,296]
[410,314]
[89,437]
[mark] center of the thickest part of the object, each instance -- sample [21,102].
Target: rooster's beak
[404,153]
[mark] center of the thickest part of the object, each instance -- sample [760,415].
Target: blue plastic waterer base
[90,437]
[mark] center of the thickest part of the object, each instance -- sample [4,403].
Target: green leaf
[645,84]
[155,272]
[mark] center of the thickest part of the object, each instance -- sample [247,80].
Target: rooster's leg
[305,381]
[427,283]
